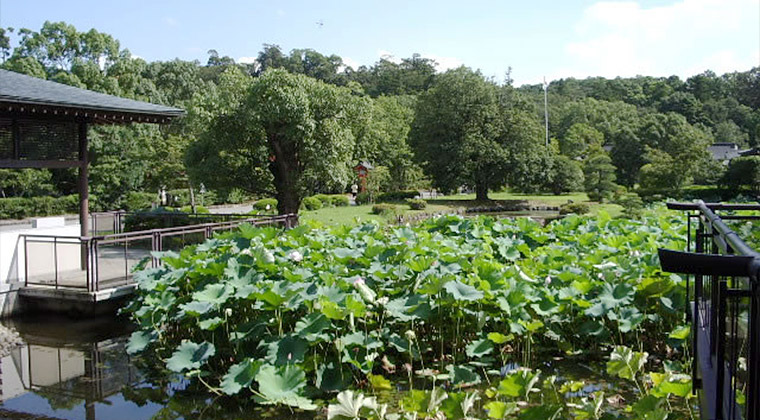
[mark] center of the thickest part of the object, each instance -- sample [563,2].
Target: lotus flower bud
[367,294]
[410,335]
[228,312]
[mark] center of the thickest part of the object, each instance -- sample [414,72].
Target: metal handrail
[718,300]
[92,244]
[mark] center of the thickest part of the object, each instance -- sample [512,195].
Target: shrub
[385,209]
[363,198]
[395,196]
[158,218]
[633,206]
[577,208]
[416,203]
[325,199]
[198,209]
[339,200]
[23,207]
[269,204]
[136,200]
[312,203]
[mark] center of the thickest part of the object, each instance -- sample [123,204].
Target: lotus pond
[453,318]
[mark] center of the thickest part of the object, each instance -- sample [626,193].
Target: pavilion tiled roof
[21,92]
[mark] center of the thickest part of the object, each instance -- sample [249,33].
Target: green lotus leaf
[139,340]
[287,350]
[215,293]
[189,355]
[310,326]
[283,385]
[239,376]
[479,348]
[195,308]
[625,362]
[463,292]
[463,375]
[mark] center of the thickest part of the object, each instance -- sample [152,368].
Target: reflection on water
[69,370]
[79,370]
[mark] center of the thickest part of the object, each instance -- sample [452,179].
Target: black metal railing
[724,309]
[56,261]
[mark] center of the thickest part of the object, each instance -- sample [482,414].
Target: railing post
[720,346]
[26,263]
[55,260]
[753,353]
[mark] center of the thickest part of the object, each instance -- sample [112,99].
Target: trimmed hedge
[577,208]
[385,209]
[264,202]
[363,198]
[396,196]
[340,200]
[313,203]
[416,203]
[23,207]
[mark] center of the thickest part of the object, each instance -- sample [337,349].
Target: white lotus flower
[295,256]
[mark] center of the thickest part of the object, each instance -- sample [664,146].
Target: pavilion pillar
[84,192]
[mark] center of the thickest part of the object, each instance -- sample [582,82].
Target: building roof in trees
[24,94]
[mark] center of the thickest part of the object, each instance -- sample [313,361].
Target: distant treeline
[608,136]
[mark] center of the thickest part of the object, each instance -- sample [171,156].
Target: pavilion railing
[724,309]
[56,261]
[110,222]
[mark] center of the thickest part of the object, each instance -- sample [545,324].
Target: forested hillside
[418,127]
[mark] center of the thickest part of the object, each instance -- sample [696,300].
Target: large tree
[287,131]
[456,133]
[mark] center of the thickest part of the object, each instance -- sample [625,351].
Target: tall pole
[546,111]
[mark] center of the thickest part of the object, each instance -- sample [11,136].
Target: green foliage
[363,198]
[20,207]
[270,300]
[416,203]
[633,205]
[574,208]
[265,204]
[288,133]
[139,201]
[397,196]
[567,176]
[599,176]
[455,147]
[743,174]
[385,209]
[312,203]
[339,200]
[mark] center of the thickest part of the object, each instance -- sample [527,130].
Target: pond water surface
[79,370]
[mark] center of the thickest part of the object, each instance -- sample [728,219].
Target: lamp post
[546,111]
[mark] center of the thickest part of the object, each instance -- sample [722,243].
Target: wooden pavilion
[44,124]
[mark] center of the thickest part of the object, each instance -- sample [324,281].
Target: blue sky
[537,38]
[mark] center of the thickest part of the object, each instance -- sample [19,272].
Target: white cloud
[444,63]
[246,60]
[280,12]
[350,62]
[683,38]
[171,21]
[385,54]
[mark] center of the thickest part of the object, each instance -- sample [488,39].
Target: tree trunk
[481,191]
[285,168]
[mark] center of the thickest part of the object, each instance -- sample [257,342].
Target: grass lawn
[352,214]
